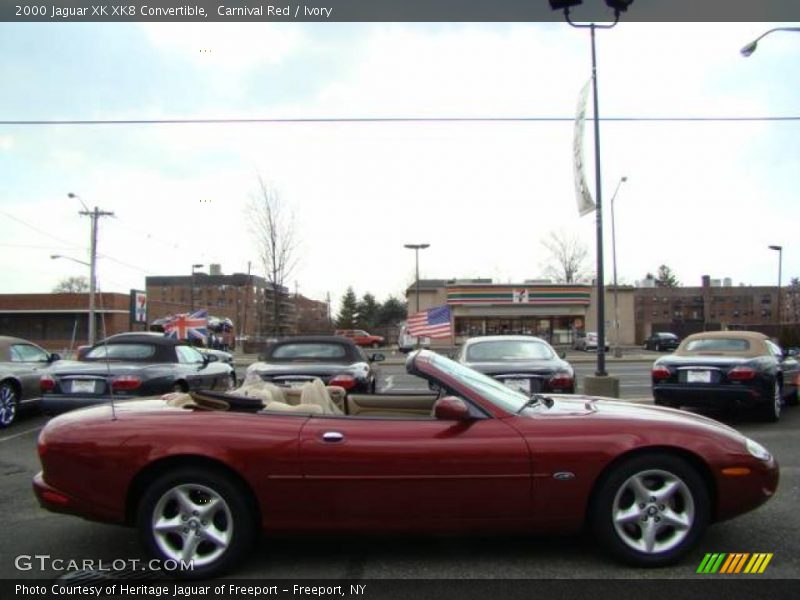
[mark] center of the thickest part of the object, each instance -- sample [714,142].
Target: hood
[631,414]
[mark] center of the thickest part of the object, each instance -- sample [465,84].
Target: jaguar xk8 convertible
[199,475]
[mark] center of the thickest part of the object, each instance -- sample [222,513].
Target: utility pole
[93,215]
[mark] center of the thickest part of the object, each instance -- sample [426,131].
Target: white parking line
[16,435]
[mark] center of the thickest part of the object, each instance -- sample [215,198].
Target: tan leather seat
[308,409]
[315,393]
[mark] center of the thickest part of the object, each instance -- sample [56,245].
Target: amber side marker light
[736,471]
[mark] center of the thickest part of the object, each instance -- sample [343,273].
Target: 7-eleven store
[550,311]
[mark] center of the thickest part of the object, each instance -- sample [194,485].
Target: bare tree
[272,228]
[566,261]
[72,285]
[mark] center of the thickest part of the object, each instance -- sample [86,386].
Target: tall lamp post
[780,267]
[751,47]
[191,293]
[617,349]
[618,6]
[93,215]
[416,248]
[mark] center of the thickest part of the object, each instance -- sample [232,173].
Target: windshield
[485,386]
[508,350]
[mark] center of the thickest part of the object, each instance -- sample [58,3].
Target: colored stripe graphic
[734,563]
[758,563]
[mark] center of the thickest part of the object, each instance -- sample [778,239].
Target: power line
[250,121]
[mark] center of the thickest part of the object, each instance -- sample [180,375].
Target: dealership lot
[47,542]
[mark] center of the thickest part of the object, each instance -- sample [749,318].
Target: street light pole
[416,248]
[780,268]
[617,349]
[751,47]
[94,215]
[618,6]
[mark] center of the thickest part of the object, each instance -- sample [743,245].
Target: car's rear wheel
[9,403]
[650,510]
[771,410]
[196,517]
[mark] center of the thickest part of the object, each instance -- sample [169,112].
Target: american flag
[188,326]
[432,323]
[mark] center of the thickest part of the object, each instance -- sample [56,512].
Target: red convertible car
[477,455]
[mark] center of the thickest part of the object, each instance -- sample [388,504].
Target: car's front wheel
[9,403]
[196,520]
[651,509]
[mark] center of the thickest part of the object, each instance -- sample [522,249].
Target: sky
[702,197]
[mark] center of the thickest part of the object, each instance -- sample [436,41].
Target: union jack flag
[188,326]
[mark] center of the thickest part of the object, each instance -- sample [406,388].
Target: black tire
[658,347]
[180,386]
[219,541]
[9,404]
[771,410]
[656,523]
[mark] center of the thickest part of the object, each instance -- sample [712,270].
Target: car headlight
[758,450]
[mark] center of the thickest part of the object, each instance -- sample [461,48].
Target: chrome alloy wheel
[8,404]
[192,522]
[653,511]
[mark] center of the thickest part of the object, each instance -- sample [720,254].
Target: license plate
[520,385]
[698,377]
[82,387]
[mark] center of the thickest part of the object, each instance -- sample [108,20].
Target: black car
[334,359]
[21,365]
[522,362]
[727,369]
[661,341]
[130,366]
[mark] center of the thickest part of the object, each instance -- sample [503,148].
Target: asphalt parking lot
[30,532]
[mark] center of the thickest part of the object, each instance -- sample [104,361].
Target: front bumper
[57,501]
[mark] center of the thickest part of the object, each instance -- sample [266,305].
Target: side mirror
[54,357]
[562,354]
[377,357]
[261,358]
[211,357]
[451,408]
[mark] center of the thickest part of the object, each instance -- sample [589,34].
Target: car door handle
[332,436]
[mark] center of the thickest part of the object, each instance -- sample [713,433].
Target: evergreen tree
[666,278]
[392,312]
[348,313]
[368,310]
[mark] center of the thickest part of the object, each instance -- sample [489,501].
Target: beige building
[551,311]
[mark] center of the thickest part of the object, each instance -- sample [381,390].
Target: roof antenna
[109,383]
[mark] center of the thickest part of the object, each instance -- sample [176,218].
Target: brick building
[313,316]
[247,300]
[715,304]
[59,322]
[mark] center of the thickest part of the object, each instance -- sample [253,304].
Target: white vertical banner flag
[584,196]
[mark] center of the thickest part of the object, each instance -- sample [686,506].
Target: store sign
[138,306]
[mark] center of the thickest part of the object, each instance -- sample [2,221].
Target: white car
[407,342]
[587,341]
